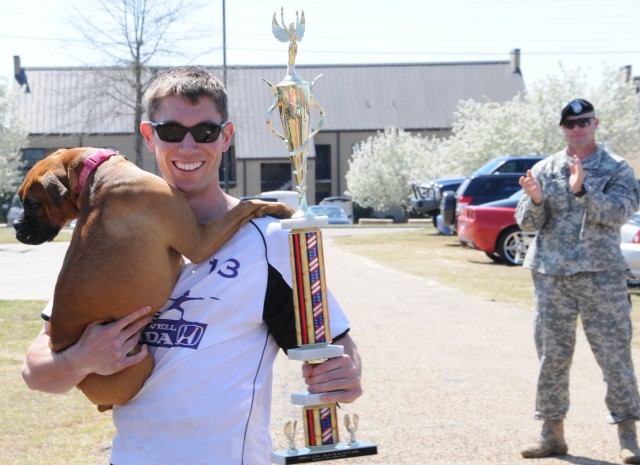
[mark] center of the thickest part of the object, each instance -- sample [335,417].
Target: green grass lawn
[8,235]
[424,252]
[37,428]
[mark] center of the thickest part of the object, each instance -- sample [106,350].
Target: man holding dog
[214,342]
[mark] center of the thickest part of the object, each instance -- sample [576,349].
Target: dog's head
[45,197]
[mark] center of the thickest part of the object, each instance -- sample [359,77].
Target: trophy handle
[270,110]
[318,107]
[321,121]
[313,83]
[269,125]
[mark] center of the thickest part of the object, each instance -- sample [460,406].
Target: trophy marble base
[319,454]
[318,352]
[307,399]
[305,222]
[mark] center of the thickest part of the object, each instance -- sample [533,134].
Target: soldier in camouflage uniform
[577,200]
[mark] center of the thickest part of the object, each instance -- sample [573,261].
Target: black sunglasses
[202,133]
[580,122]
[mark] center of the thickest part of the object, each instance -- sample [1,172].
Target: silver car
[630,245]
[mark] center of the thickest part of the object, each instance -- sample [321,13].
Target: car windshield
[489,167]
[506,165]
[516,195]
[332,212]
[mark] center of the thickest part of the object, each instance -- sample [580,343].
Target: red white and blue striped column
[309,287]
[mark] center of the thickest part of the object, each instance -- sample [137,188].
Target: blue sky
[551,34]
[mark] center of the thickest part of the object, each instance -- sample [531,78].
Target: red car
[492,228]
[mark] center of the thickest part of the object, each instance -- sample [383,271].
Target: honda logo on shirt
[174,333]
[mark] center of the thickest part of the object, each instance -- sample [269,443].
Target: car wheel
[493,257]
[434,218]
[448,207]
[512,246]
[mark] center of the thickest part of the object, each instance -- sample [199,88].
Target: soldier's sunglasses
[580,122]
[174,132]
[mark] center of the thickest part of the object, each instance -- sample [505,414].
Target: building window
[275,177]
[228,165]
[323,172]
[323,162]
[31,157]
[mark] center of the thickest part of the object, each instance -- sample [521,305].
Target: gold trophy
[294,100]
[321,426]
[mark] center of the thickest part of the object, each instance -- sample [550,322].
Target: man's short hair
[190,82]
[575,108]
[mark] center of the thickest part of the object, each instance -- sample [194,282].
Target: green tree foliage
[13,136]
[384,166]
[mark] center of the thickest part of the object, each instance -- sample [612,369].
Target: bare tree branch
[130,34]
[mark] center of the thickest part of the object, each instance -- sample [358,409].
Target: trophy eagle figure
[292,34]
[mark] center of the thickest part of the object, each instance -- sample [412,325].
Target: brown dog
[126,250]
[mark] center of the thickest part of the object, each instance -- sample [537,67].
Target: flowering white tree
[528,124]
[383,167]
[617,104]
[13,136]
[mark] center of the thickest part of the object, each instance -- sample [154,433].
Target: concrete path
[449,378]
[29,272]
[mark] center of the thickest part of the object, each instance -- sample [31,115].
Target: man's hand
[577,174]
[101,349]
[336,374]
[104,348]
[531,187]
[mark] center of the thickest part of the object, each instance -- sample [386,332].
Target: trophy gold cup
[293,99]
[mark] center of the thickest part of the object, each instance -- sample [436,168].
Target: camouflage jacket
[576,234]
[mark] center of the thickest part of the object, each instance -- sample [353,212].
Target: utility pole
[225,155]
[224,42]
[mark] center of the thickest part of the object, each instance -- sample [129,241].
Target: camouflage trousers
[602,302]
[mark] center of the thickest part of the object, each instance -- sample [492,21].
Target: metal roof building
[92,107]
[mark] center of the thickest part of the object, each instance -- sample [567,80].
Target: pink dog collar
[91,163]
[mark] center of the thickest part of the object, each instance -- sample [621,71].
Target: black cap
[574,108]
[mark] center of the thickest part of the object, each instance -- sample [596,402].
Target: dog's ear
[55,189]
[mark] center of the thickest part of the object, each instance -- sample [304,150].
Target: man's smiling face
[189,166]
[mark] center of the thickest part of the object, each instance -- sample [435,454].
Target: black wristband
[584,190]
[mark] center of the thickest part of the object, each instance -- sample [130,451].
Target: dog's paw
[277,209]
[260,208]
